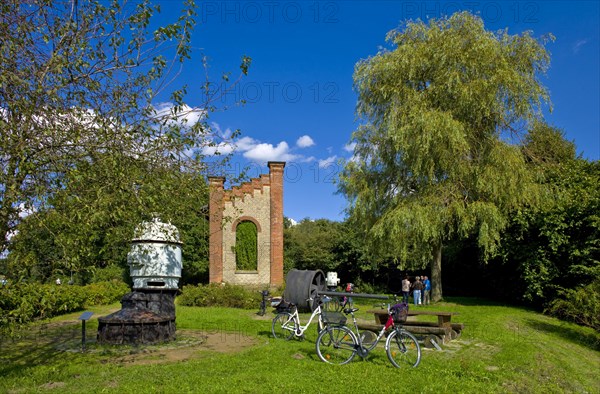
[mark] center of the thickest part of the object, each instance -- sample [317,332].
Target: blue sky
[300,101]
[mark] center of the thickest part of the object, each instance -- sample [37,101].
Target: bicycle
[287,324]
[338,344]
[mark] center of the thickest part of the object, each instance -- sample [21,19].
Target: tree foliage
[94,135]
[311,244]
[340,247]
[79,88]
[556,246]
[549,255]
[435,157]
[246,246]
[85,230]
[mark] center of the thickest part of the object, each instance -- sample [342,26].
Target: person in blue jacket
[426,291]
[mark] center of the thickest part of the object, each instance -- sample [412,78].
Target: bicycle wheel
[336,345]
[284,326]
[402,348]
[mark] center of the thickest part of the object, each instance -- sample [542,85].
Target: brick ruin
[259,201]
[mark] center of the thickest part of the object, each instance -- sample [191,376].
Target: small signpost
[84,317]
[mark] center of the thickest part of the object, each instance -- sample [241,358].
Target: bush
[103,293]
[21,303]
[110,273]
[581,305]
[230,296]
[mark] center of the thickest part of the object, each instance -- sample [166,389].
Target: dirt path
[50,339]
[190,344]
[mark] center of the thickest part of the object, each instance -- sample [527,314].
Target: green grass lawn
[502,349]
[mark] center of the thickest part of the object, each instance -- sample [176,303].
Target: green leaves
[555,246]
[79,126]
[246,246]
[245,65]
[433,160]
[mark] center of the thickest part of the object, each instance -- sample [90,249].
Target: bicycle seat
[350,310]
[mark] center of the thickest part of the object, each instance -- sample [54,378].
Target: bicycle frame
[364,351]
[293,323]
[300,329]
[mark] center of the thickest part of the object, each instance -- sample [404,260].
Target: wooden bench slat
[369,326]
[415,313]
[455,326]
[422,330]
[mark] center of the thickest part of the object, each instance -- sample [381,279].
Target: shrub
[21,303]
[580,305]
[103,293]
[110,273]
[230,296]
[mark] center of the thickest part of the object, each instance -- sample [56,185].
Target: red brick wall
[276,175]
[219,196]
[215,249]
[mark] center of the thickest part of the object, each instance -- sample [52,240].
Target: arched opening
[246,246]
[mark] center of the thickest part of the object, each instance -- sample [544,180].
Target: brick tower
[259,202]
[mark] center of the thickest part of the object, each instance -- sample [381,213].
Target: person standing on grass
[417,287]
[405,289]
[426,291]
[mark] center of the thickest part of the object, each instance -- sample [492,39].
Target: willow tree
[437,154]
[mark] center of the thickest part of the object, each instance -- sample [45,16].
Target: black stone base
[146,317]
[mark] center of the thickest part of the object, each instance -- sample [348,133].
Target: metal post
[84,316]
[83,335]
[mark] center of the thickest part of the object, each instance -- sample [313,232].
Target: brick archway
[245,219]
[261,202]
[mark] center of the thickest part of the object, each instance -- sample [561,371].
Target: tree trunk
[436,272]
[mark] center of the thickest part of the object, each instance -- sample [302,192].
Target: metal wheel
[336,345]
[302,288]
[284,326]
[403,349]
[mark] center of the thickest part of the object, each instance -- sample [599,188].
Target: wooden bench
[444,318]
[422,330]
[441,331]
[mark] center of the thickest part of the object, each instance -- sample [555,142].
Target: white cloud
[255,150]
[219,132]
[305,141]
[577,46]
[350,147]
[245,144]
[25,211]
[186,115]
[327,162]
[267,152]
[223,148]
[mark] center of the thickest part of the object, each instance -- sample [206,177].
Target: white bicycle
[287,324]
